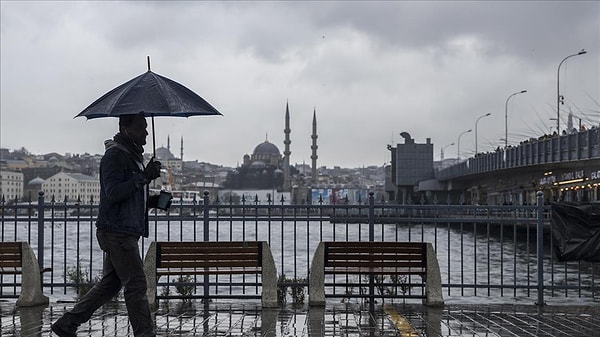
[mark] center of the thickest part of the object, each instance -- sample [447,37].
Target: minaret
[314,147]
[169,143]
[181,153]
[286,153]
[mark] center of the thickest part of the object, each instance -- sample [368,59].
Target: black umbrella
[152,94]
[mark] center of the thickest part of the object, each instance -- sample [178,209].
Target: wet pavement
[247,318]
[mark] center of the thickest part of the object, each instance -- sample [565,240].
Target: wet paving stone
[336,319]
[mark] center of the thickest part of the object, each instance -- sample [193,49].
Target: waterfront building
[11,184]
[72,187]
[411,164]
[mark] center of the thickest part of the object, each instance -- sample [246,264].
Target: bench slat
[210,250]
[167,261]
[379,264]
[211,271]
[376,270]
[10,246]
[387,249]
[208,244]
[371,244]
[374,256]
[10,263]
[208,264]
[207,256]
[10,270]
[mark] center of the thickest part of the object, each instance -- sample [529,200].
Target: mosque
[267,168]
[262,170]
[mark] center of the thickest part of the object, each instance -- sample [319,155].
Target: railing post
[205,204]
[540,248]
[371,238]
[371,216]
[40,210]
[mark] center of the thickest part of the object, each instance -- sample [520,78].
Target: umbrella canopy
[152,94]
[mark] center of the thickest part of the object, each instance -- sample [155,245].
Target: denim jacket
[123,193]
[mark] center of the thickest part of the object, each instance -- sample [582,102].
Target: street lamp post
[558,89]
[477,121]
[506,116]
[458,144]
[442,151]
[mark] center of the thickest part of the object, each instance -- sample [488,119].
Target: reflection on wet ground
[336,319]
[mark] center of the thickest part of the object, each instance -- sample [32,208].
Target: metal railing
[579,146]
[503,253]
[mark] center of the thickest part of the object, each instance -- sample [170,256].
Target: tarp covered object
[576,231]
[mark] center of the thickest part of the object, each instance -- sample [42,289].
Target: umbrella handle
[153,138]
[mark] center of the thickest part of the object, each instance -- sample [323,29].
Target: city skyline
[70,154]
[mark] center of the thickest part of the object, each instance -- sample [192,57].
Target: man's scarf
[134,149]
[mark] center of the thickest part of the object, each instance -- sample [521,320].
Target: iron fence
[503,253]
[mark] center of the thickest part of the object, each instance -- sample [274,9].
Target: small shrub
[296,291]
[83,281]
[281,289]
[185,290]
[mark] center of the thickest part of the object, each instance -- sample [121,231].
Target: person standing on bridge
[122,219]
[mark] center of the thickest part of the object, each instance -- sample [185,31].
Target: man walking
[122,219]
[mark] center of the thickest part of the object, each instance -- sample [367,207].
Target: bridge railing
[544,150]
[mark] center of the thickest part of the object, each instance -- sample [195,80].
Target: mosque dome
[164,154]
[37,181]
[266,148]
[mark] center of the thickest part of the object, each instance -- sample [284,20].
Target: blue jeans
[123,267]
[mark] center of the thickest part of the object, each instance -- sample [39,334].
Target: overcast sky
[371,70]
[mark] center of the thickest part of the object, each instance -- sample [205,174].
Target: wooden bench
[212,258]
[375,259]
[17,258]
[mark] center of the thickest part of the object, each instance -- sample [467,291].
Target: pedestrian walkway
[336,319]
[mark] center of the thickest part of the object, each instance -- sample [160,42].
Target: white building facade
[11,185]
[73,186]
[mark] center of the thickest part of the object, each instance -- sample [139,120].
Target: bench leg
[433,284]
[31,282]
[269,278]
[316,280]
[150,271]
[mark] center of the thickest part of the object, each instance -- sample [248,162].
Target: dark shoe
[62,330]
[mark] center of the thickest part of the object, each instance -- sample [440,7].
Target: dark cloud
[372,69]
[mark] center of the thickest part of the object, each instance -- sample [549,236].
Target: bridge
[564,167]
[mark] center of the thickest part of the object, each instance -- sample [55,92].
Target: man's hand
[160,201]
[152,170]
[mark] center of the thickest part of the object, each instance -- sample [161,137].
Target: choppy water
[481,256]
